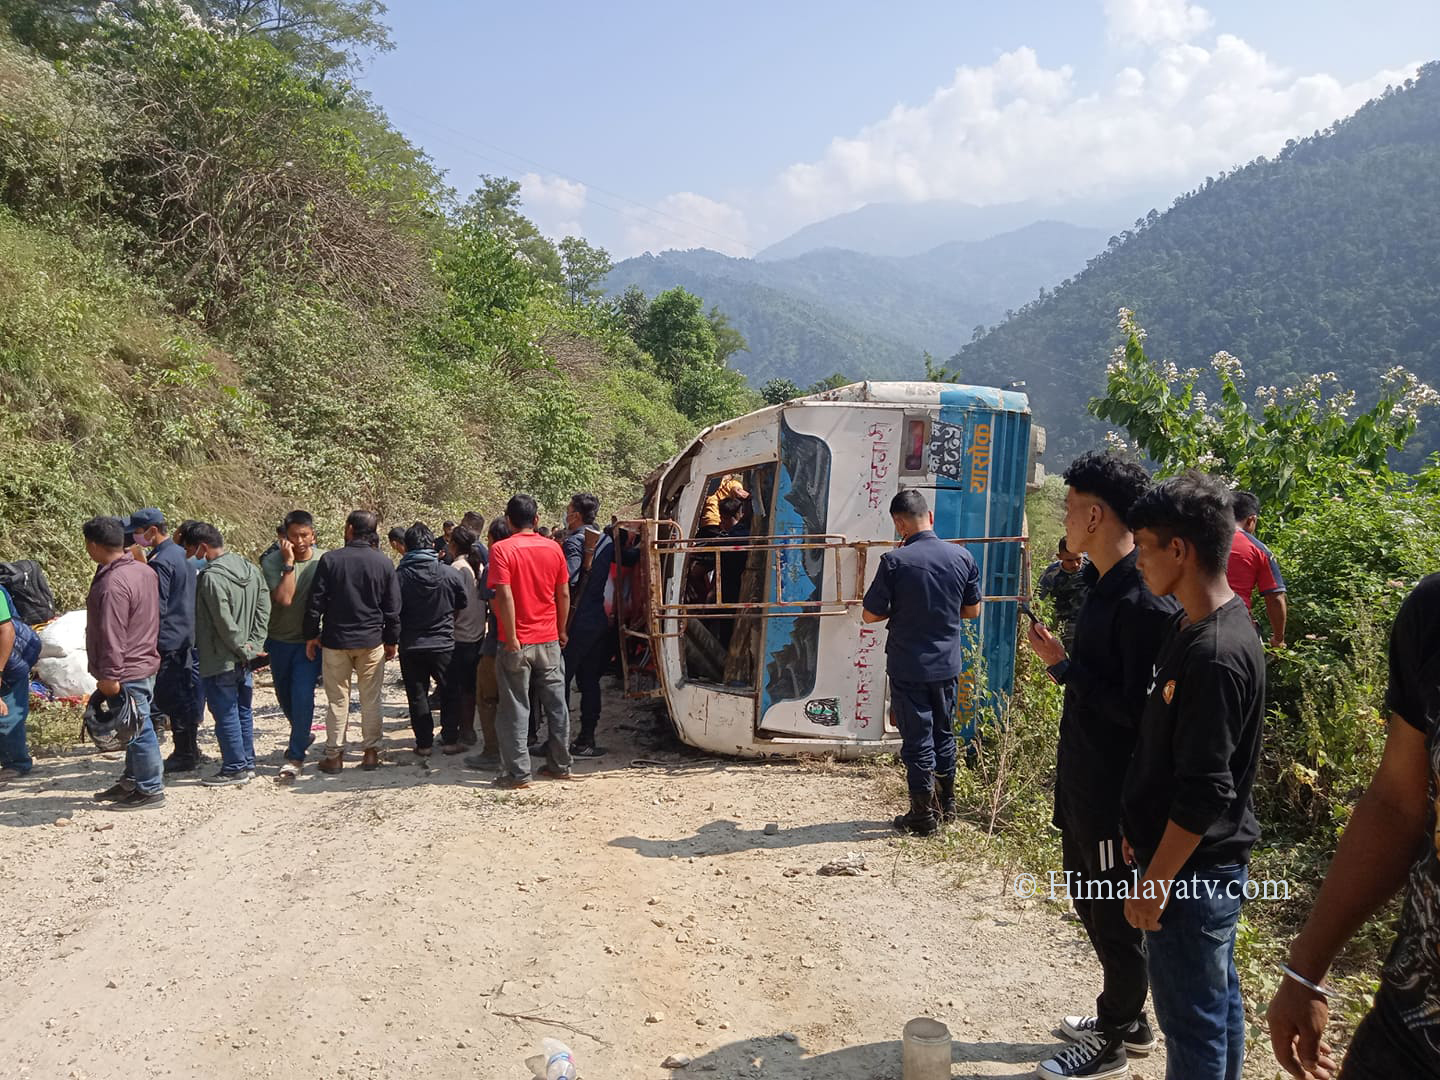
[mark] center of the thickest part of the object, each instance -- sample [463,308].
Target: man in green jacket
[232,613]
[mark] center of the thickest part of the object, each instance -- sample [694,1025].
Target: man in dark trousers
[926,588]
[589,554]
[175,686]
[352,620]
[1186,808]
[1117,632]
[122,627]
[1391,843]
[430,594]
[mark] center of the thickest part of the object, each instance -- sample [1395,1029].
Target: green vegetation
[1352,536]
[228,286]
[1324,258]
[870,314]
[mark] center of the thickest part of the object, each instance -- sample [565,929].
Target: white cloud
[1016,130]
[553,203]
[1185,105]
[1155,22]
[687,220]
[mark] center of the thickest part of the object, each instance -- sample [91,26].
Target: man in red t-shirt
[532,604]
[1252,567]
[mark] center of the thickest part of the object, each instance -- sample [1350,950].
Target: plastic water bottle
[559,1065]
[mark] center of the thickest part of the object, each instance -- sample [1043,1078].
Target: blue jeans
[14,750]
[925,714]
[229,695]
[295,677]
[142,754]
[1193,982]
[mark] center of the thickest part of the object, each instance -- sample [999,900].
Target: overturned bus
[757,543]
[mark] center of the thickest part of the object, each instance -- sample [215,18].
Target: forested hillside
[1326,258]
[228,287]
[869,315]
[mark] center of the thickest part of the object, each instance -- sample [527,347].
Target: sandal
[452,748]
[289,771]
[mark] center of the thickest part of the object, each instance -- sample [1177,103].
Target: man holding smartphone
[1117,634]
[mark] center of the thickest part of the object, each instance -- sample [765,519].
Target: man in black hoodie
[353,615]
[1116,635]
[430,594]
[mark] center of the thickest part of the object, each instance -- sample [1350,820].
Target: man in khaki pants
[353,615]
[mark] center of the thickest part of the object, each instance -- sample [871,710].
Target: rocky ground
[415,922]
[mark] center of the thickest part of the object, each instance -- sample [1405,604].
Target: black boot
[186,755]
[920,821]
[945,798]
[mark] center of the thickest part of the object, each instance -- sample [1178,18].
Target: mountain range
[1325,257]
[833,310]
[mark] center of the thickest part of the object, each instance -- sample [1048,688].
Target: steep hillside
[229,288]
[865,315]
[1326,258]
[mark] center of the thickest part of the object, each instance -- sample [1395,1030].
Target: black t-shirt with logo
[1411,977]
[1199,744]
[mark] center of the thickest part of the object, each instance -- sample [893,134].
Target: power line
[694,225]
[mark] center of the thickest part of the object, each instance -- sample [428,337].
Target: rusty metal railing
[662,540]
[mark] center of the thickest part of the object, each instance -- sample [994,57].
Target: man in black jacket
[1116,635]
[430,594]
[175,686]
[1186,809]
[590,553]
[353,615]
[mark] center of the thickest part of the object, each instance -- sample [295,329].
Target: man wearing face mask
[175,688]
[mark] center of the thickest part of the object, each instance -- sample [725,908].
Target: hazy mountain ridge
[1324,258]
[861,314]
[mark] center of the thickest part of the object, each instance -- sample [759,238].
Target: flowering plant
[1283,445]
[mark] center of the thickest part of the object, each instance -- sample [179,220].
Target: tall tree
[585,266]
[319,35]
[495,206]
[779,391]
[676,333]
[830,382]
[728,340]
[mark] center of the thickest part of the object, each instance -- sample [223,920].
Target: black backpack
[34,602]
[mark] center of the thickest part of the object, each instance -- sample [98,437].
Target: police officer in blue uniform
[925,588]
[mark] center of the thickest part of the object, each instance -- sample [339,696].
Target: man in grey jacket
[232,612]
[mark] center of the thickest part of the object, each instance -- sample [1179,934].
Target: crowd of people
[491,627]
[1162,664]
[1164,676]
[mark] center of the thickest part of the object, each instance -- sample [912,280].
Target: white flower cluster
[1200,402]
[1116,443]
[1224,364]
[1207,461]
[1412,394]
[1117,360]
[1125,318]
[1265,396]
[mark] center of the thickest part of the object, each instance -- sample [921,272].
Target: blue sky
[647,125]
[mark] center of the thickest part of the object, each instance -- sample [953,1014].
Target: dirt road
[414,922]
